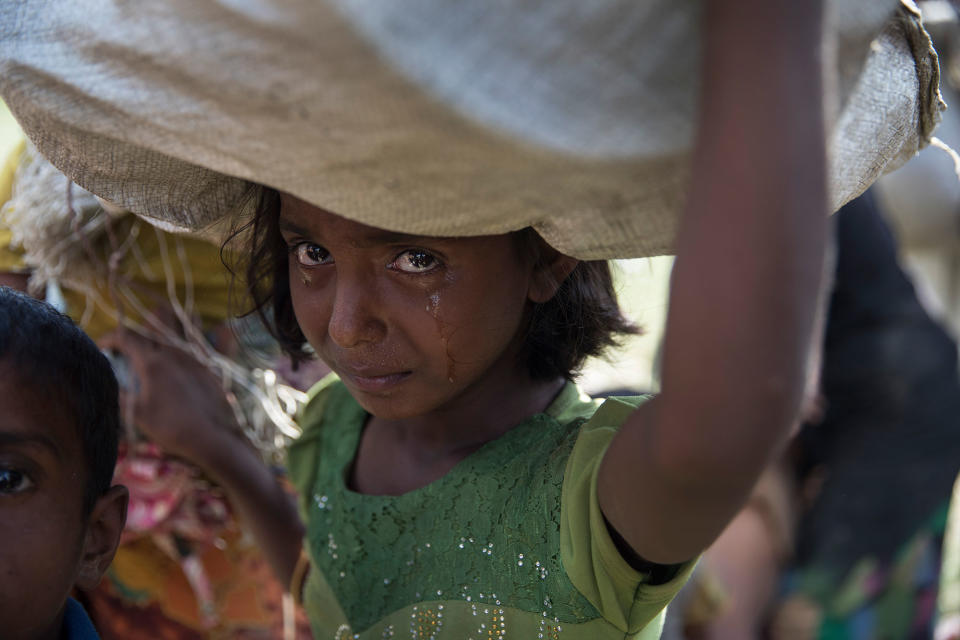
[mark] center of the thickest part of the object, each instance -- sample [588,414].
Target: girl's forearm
[751,244]
[745,285]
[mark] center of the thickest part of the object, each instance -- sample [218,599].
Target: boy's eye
[13,481]
[310,255]
[415,261]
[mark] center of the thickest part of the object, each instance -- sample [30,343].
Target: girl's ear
[104,526]
[551,269]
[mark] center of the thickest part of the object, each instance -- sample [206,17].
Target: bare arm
[181,406]
[745,286]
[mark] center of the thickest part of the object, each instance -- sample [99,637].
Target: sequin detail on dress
[480,534]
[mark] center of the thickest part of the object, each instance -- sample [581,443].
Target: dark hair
[50,353]
[581,320]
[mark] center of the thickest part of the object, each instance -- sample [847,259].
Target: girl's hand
[176,402]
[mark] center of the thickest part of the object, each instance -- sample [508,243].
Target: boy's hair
[51,354]
[581,320]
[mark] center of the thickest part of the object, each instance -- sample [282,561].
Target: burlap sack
[434,117]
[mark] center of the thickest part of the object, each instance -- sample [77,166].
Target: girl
[452,481]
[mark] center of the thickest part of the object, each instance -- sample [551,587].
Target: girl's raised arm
[745,289]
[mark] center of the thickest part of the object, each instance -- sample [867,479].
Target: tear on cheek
[443,331]
[304,276]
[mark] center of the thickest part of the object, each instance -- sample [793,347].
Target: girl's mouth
[374,383]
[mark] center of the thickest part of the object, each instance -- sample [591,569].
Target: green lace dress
[510,543]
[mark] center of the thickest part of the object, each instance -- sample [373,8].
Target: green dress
[510,543]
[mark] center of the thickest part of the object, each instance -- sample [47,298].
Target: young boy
[60,520]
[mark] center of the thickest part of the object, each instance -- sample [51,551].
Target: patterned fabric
[876,601]
[184,569]
[167,496]
[147,595]
[479,552]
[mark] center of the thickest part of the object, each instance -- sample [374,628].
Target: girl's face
[409,323]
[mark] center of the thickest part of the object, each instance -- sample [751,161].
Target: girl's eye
[13,481]
[310,255]
[415,261]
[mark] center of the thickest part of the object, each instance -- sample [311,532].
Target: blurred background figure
[875,471]
[185,569]
[842,538]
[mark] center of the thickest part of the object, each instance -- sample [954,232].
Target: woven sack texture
[432,117]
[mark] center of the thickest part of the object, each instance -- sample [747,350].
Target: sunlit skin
[423,331]
[48,543]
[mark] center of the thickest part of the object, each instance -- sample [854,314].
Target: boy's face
[48,545]
[411,324]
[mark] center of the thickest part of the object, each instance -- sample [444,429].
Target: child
[60,519]
[204,576]
[453,482]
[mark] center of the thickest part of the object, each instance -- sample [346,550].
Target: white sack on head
[432,117]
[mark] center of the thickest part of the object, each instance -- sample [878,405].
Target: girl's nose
[356,315]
